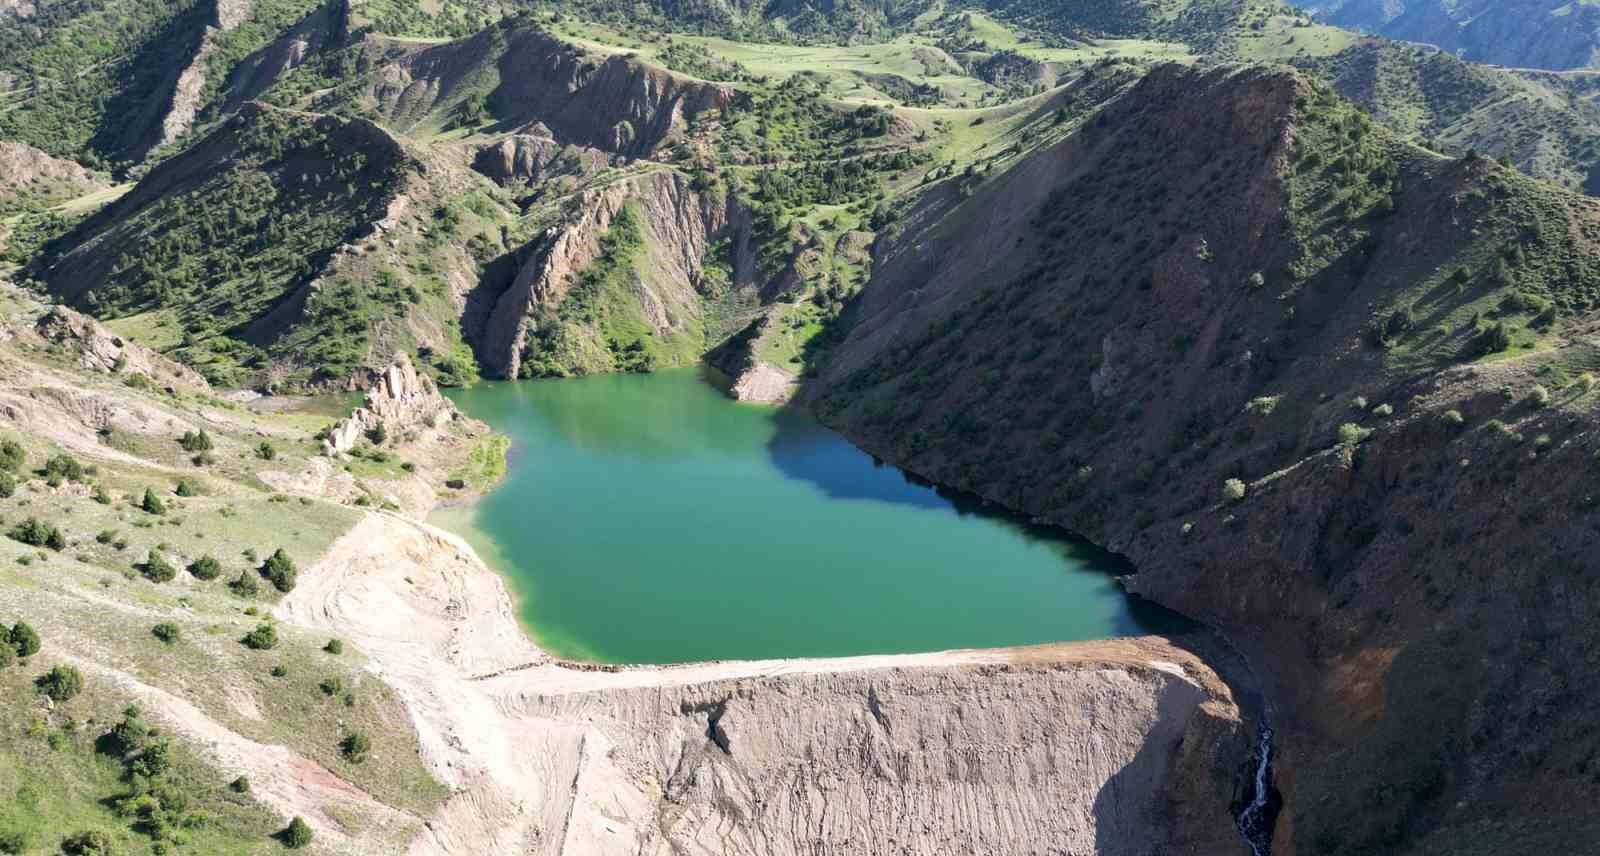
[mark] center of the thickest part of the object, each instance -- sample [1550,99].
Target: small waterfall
[1255,820]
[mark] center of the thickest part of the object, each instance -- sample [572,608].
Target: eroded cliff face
[677,225]
[1107,335]
[525,76]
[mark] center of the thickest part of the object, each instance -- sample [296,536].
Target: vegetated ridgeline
[1331,393]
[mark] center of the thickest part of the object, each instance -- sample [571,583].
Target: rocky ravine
[1127,747]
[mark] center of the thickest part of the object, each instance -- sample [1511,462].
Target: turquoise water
[650,519]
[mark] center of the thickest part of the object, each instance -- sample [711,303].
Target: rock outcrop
[400,401]
[101,350]
[533,157]
[23,167]
[611,103]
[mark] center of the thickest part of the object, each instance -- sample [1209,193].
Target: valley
[467,426]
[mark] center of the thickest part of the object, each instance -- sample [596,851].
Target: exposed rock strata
[99,349]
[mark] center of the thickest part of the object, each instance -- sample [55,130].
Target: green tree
[205,568]
[62,467]
[89,843]
[11,456]
[157,569]
[60,684]
[265,451]
[152,504]
[280,570]
[167,632]
[192,441]
[355,746]
[8,484]
[297,834]
[263,638]
[24,639]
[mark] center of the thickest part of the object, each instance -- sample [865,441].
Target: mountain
[1548,34]
[1327,390]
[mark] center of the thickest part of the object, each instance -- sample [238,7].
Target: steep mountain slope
[1326,390]
[1545,124]
[1553,34]
[234,241]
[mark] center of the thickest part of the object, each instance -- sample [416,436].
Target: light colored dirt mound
[1117,747]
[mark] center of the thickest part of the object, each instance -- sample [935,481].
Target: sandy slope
[1115,747]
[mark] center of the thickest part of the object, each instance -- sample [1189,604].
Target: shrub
[167,632]
[280,671]
[280,570]
[8,484]
[332,686]
[1585,383]
[1383,410]
[152,504]
[1256,280]
[90,843]
[245,585]
[62,467]
[297,834]
[11,456]
[1453,418]
[1490,340]
[334,646]
[240,785]
[192,441]
[185,488]
[355,747]
[157,569]
[60,684]
[1233,490]
[127,736]
[24,639]
[205,568]
[378,434]
[13,842]
[1539,396]
[265,451]
[37,534]
[263,638]
[1351,434]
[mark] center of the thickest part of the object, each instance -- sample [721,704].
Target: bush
[205,568]
[167,632]
[11,456]
[8,655]
[195,442]
[185,488]
[1453,418]
[265,451]
[91,843]
[297,834]
[263,638]
[355,747]
[1539,396]
[334,646]
[13,842]
[1233,490]
[60,684]
[1383,411]
[8,484]
[240,785]
[62,467]
[280,570]
[152,504]
[157,569]
[37,534]
[23,639]
[127,736]
[280,671]
[1351,434]
[245,585]
[332,686]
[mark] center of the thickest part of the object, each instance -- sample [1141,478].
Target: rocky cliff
[676,227]
[519,75]
[1384,349]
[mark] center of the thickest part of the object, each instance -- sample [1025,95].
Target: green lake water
[650,519]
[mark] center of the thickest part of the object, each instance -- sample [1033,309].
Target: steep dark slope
[1233,330]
